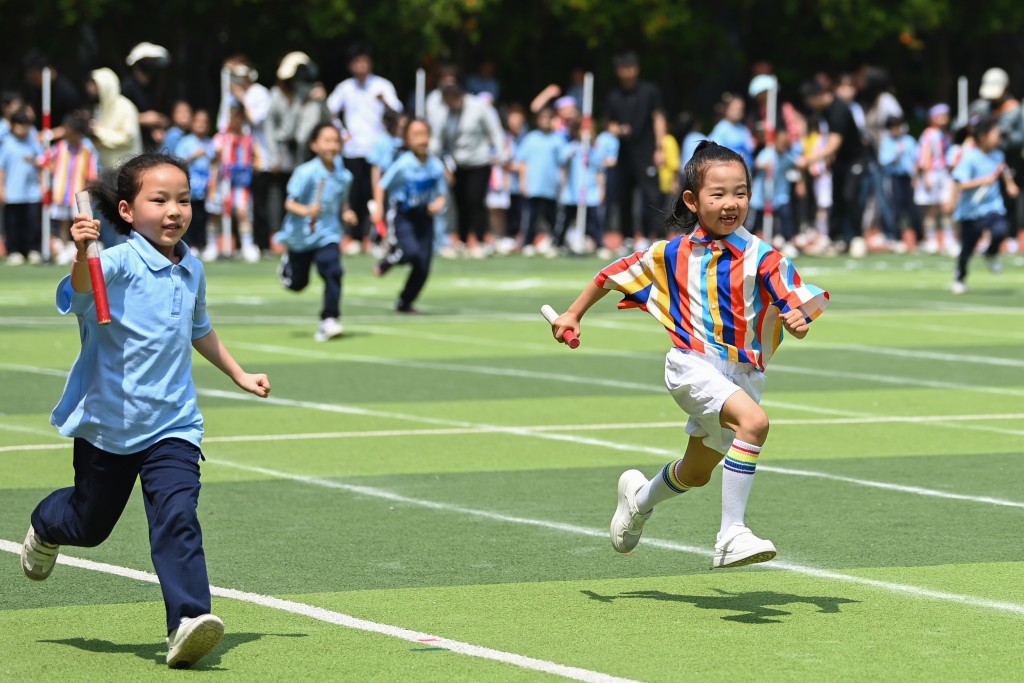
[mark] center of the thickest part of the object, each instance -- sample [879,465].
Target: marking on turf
[340,619]
[654,542]
[519,431]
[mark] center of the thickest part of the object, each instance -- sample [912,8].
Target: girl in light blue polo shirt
[130,402]
[981,206]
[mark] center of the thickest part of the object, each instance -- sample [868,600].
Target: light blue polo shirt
[984,200]
[302,188]
[571,157]
[22,180]
[413,184]
[131,385]
[539,151]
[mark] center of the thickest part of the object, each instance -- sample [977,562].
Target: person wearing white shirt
[359,103]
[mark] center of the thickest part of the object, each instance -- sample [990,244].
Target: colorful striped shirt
[72,167]
[719,297]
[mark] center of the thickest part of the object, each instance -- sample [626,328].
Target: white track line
[647,541]
[340,619]
[567,438]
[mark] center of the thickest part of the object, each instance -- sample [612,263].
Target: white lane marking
[915,591]
[340,619]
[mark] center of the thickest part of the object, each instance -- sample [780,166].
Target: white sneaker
[210,252]
[38,556]
[193,640]
[994,264]
[68,254]
[251,253]
[740,547]
[15,259]
[448,251]
[35,258]
[329,329]
[352,248]
[958,287]
[604,253]
[628,522]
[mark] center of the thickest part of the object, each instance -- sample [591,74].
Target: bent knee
[755,425]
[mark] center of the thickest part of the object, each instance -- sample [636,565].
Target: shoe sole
[762,556]
[622,507]
[198,643]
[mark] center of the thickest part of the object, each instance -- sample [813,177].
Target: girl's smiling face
[161,210]
[722,201]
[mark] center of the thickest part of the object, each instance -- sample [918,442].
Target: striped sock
[737,480]
[663,486]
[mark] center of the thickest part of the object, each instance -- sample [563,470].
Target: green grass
[453,473]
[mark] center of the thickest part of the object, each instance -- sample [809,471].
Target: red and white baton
[568,336]
[92,251]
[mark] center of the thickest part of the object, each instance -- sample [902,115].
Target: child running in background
[130,403]
[418,190]
[383,153]
[539,176]
[73,163]
[725,297]
[198,151]
[236,159]
[981,205]
[312,228]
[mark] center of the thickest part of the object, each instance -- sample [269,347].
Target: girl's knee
[755,425]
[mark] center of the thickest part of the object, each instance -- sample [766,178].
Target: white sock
[737,480]
[663,486]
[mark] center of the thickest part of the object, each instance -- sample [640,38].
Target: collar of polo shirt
[154,260]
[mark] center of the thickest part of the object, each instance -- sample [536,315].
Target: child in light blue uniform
[198,151]
[130,403]
[539,170]
[981,205]
[588,183]
[312,228]
[21,190]
[781,160]
[417,189]
[898,155]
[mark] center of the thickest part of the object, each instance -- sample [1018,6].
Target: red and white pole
[45,172]
[586,135]
[768,224]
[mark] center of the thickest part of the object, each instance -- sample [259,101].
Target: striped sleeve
[787,290]
[632,275]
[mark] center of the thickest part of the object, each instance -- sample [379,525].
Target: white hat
[993,84]
[148,51]
[761,83]
[291,63]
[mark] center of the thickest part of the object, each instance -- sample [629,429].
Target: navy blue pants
[567,222]
[970,234]
[85,514]
[295,275]
[413,245]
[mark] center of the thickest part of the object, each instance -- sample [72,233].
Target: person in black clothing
[849,156]
[636,116]
[65,98]
[146,62]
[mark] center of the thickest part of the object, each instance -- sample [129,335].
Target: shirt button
[714,306]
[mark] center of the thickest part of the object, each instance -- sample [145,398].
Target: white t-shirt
[362,110]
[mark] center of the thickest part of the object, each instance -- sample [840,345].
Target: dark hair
[811,88]
[315,133]
[408,127]
[625,58]
[706,154]
[985,125]
[358,50]
[684,125]
[78,121]
[894,122]
[124,182]
[22,116]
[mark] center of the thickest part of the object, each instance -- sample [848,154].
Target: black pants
[971,231]
[514,216]
[471,183]
[197,230]
[633,171]
[361,193]
[85,514]
[784,221]
[23,227]
[567,222]
[269,190]
[295,275]
[413,245]
[847,212]
[900,191]
[536,208]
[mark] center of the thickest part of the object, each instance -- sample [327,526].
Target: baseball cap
[761,83]
[290,64]
[993,84]
[142,51]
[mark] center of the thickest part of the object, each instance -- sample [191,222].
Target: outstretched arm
[212,349]
[570,320]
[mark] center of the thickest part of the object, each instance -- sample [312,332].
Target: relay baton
[568,336]
[92,251]
[319,198]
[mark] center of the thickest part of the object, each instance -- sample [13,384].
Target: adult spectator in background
[254,99]
[635,114]
[146,61]
[359,103]
[849,155]
[65,98]
[997,102]
[466,133]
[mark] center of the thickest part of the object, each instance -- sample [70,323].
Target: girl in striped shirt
[725,297]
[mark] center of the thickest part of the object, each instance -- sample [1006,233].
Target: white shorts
[941,187]
[701,384]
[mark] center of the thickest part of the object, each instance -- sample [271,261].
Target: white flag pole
[578,241]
